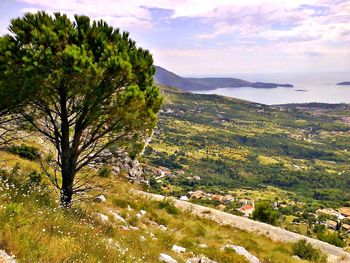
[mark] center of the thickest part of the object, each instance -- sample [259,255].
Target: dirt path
[336,254]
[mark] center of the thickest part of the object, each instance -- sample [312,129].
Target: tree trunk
[66,194]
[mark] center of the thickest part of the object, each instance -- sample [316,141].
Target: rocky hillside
[123,225]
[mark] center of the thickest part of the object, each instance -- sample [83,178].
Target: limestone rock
[242,251]
[118,217]
[166,258]
[178,249]
[103,218]
[100,199]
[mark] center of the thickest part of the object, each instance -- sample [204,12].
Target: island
[301,90]
[168,78]
[345,83]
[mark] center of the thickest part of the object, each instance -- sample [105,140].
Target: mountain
[167,78]
[345,83]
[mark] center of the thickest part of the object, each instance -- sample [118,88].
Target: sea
[308,87]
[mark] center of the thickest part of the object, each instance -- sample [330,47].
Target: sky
[220,37]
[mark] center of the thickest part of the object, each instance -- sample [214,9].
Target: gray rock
[166,258]
[118,217]
[178,249]
[242,251]
[103,218]
[100,199]
[5,258]
[202,246]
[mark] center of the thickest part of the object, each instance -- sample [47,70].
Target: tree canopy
[90,87]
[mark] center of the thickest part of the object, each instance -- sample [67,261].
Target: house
[247,210]
[346,228]
[198,195]
[216,197]
[330,212]
[345,211]
[227,199]
[331,224]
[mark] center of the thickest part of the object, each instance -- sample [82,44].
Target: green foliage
[35,178]
[105,171]
[264,212]
[169,207]
[90,87]
[332,238]
[28,152]
[305,251]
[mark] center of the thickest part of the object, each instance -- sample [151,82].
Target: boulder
[163,228]
[143,212]
[166,258]
[103,218]
[242,251]
[202,246]
[118,217]
[100,199]
[296,257]
[178,249]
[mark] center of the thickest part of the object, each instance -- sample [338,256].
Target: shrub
[34,178]
[264,212]
[105,171]
[27,152]
[169,207]
[304,250]
[333,239]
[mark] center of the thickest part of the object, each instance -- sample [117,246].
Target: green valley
[216,143]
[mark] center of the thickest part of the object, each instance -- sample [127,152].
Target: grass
[35,229]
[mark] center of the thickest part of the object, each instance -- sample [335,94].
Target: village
[327,224]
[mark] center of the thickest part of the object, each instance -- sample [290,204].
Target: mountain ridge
[168,78]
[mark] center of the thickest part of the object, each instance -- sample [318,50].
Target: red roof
[246,207]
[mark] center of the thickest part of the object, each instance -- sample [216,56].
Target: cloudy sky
[221,37]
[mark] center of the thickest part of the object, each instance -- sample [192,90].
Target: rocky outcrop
[120,161]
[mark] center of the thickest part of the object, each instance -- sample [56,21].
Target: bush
[333,239]
[105,171]
[27,152]
[169,207]
[264,212]
[305,251]
[34,178]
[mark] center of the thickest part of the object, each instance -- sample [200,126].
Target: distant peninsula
[167,78]
[345,83]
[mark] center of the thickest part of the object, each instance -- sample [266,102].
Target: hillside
[120,226]
[167,78]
